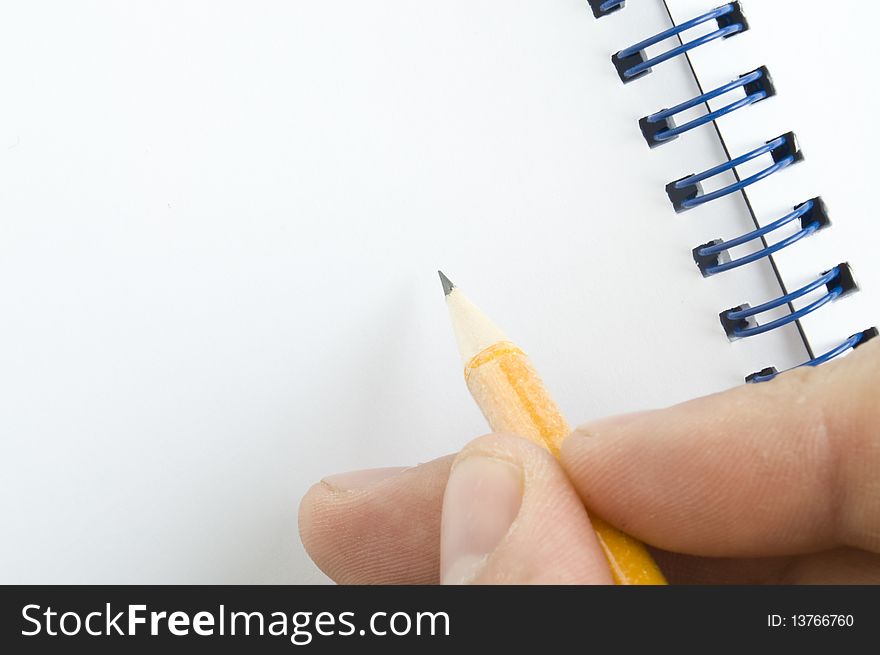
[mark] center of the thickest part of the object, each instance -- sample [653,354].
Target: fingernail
[483,497]
[597,427]
[356,480]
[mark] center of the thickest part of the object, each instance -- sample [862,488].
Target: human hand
[771,483]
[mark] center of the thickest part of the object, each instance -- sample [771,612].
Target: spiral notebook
[220,224]
[771,100]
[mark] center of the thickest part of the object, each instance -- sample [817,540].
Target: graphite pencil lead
[448,286]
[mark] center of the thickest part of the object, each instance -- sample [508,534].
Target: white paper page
[821,58]
[219,229]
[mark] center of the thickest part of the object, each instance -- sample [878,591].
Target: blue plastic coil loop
[631,62]
[737,321]
[712,257]
[604,7]
[853,342]
[658,127]
[686,193]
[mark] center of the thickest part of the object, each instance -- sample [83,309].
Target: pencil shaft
[513,399]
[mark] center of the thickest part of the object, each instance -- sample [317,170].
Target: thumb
[780,468]
[510,516]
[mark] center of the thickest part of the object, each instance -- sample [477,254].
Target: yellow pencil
[513,399]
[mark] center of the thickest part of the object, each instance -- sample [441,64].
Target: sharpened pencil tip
[448,286]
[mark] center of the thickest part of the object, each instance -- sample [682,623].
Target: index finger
[785,467]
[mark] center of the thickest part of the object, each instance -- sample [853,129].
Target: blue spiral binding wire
[658,128]
[604,7]
[686,193]
[852,343]
[711,256]
[738,326]
[631,63]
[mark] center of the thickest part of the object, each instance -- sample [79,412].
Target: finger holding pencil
[513,399]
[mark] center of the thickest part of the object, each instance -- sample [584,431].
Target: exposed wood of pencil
[513,399]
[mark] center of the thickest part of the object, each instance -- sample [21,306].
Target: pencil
[513,399]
